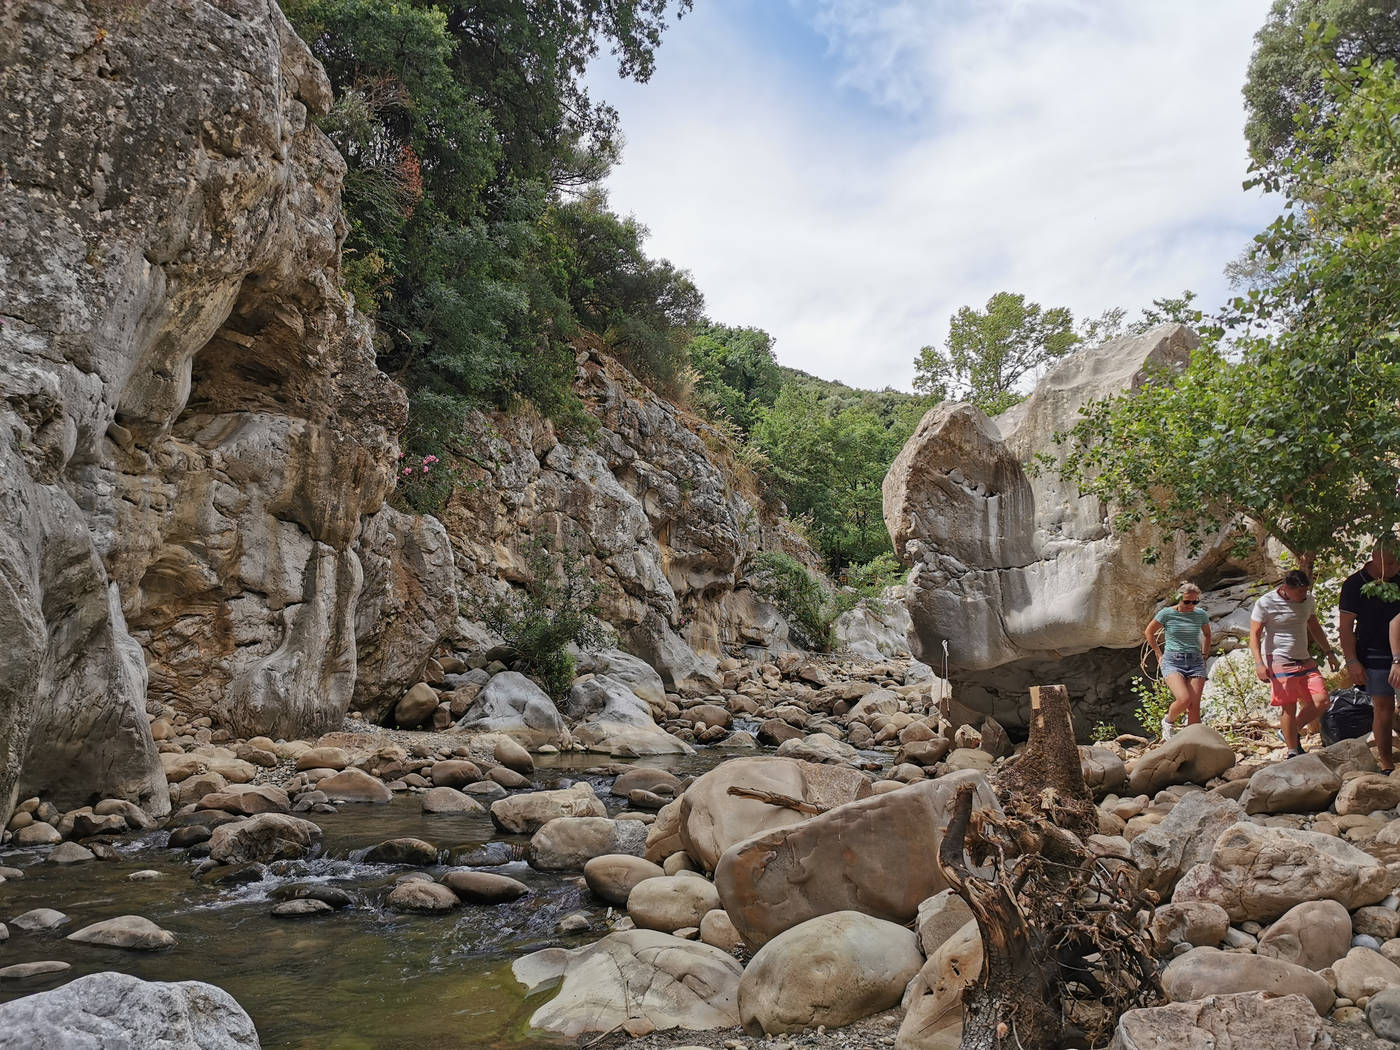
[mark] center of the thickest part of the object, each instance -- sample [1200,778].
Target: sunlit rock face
[1025,580]
[655,505]
[194,438]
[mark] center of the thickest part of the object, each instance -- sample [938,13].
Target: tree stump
[1063,933]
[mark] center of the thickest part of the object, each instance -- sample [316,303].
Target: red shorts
[1292,681]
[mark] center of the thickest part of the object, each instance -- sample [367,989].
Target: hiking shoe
[1167,729]
[1295,754]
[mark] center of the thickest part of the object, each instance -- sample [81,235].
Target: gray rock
[1299,785]
[1209,971]
[1193,756]
[1184,839]
[1314,934]
[114,1011]
[526,813]
[1383,1013]
[125,931]
[266,837]
[569,843]
[512,704]
[1240,1021]
[483,887]
[39,919]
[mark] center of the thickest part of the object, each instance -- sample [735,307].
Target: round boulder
[613,876]
[671,902]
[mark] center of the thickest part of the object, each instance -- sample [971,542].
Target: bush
[799,596]
[1154,700]
[556,607]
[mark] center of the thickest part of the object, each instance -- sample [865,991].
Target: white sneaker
[1167,729]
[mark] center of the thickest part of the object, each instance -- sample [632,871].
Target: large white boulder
[512,704]
[616,721]
[639,975]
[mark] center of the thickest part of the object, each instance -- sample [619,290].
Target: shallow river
[355,979]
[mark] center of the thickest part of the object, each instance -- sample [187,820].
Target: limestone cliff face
[653,501]
[1025,580]
[195,444]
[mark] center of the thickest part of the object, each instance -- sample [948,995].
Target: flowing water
[361,978]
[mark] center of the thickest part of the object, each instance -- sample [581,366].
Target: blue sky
[847,173]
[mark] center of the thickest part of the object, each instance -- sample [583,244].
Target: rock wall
[195,444]
[1026,580]
[655,504]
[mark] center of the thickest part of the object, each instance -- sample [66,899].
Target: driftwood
[772,798]
[1063,931]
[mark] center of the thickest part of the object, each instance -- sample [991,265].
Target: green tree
[1288,74]
[1293,421]
[987,352]
[738,374]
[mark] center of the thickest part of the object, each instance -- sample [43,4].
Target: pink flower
[425,470]
[407,471]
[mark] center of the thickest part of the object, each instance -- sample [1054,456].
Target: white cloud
[849,185]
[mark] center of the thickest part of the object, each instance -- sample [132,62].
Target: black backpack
[1348,716]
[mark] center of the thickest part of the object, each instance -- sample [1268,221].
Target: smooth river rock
[1193,756]
[526,813]
[1209,971]
[1303,784]
[569,843]
[125,931]
[639,975]
[876,856]
[671,903]
[830,970]
[1314,934]
[266,837]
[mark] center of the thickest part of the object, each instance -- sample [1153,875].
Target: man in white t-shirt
[1279,628]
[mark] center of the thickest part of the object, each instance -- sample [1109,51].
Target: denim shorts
[1189,663]
[1378,682]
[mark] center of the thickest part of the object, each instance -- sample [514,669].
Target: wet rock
[830,970]
[482,887]
[872,855]
[1240,1021]
[125,931]
[191,834]
[39,919]
[86,825]
[508,778]
[636,975]
[300,908]
[1258,873]
[454,773]
[526,813]
[145,875]
[266,837]
[27,972]
[450,800]
[568,843]
[1209,971]
[514,757]
[421,895]
[37,834]
[487,855]
[484,792]
[403,851]
[612,876]
[1194,755]
[70,853]
[331,896]
[354,785]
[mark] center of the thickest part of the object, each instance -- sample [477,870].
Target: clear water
[355,979]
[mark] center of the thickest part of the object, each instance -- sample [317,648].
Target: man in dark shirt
[1364,627]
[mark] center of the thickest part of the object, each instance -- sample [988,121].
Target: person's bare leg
[1383,725]
[1180,686]
[1193,705]
[1288,722]
[1309,711]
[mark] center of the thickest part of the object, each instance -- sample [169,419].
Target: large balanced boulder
[526,813]
[266,837]
[830,970]
[115,1011]
[514,705]
[1257,872]
[712,819]
[1239,1021]
[1209,971]
[1193,756]
[877,855]
[637,976]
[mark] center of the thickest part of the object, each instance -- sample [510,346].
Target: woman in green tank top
[1180,636]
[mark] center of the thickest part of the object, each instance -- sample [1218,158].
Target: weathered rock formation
[195,444]
[654,503]
[1024,579]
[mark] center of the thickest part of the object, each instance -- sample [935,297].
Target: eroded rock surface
[194,437]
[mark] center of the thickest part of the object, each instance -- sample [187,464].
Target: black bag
[1347,717]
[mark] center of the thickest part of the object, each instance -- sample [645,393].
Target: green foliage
[1154,698]
[461,124]
[1291,422]
[988,352]
[739,377]
[871,578]
[1288,86]
[1103,732]
[556,607]
[799,596]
